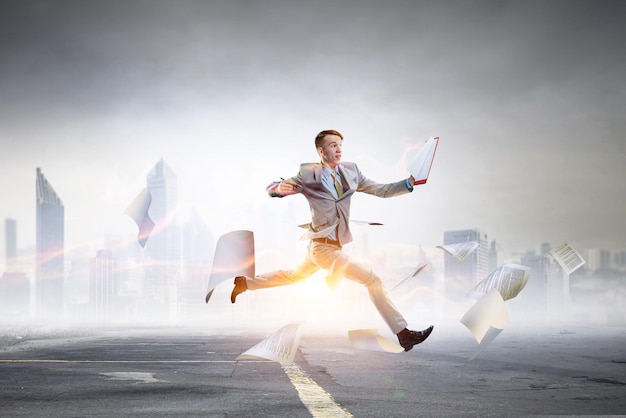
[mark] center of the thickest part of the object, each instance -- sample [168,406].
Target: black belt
[327,241]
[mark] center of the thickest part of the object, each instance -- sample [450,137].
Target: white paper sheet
[460,250]
[405,281]
[489,311]
[490,335]
[509,279]
[281,346]
[369,339]
[138,211]
[567,257]
[234,256]
[353,221]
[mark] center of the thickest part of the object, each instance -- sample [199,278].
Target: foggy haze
[113,99]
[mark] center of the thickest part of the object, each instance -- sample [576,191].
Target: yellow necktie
[338,185]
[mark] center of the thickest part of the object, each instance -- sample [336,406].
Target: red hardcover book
[420,165]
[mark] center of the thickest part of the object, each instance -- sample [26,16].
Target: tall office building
[163,272]
[461,276]
[197,250]
[15,295]
[533,300]
[493,256]
[619,260]
[597,259]
[104,286]
[546,295]
[10,231]
[162,184]
[50,242]
[558,304]
[14,284]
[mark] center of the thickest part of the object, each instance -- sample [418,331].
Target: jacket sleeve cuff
[271,189]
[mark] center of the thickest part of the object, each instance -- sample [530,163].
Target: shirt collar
[327,171]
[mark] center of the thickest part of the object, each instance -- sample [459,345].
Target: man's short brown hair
[320,137]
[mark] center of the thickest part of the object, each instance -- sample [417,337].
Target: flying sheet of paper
[407,279]
[567,257]
[509,279]
[488,311]
[490,335]
[421,163]
[234,256]
[460,250]
[281,346]
[369,339]
[353,221]
[138,211]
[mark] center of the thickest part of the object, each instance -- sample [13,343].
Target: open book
[420,165]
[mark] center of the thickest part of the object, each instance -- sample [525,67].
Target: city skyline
[526,98]
[164,284]
[129,237]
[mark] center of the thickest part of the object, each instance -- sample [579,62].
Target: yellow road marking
[319,402]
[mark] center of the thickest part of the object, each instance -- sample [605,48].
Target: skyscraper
[597,259]
[162,274]
[104,286]
[197,254]
[461,276]
[493,256]
[14,284]
[534,298]
[162,186]
[50,242]
[10,230]
[546,294]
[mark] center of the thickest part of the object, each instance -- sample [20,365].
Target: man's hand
[412,180]
[287,187]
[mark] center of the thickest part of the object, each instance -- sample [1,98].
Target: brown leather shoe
[240,287]
[410,338]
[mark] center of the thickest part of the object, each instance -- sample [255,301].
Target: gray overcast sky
[528,98]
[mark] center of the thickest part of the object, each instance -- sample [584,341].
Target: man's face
[330,151]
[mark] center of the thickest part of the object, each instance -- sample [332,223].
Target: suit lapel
[313,179]
[317,174]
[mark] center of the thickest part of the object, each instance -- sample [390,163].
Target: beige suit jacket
[328,212]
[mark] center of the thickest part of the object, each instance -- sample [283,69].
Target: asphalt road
[189,372]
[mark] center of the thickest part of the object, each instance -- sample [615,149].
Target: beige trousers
[330,257]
